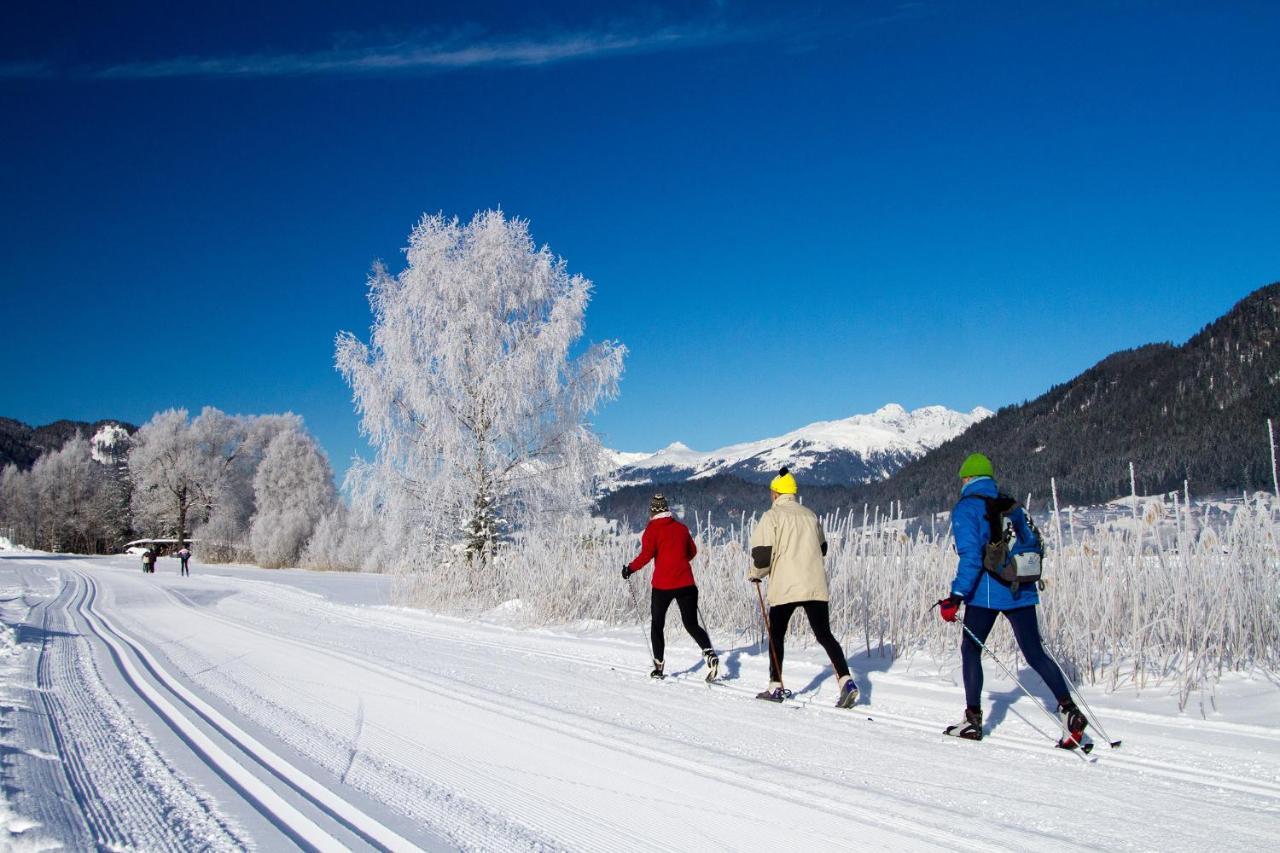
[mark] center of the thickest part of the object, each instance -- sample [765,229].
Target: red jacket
[669,542]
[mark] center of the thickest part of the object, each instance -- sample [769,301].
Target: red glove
[949,607]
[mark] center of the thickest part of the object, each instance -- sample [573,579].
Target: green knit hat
[976,465]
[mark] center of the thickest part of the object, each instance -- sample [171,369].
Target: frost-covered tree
[17,505]
[198,476]
[178,467]
[292,489]
[80,498]
[225,533]
[473,387]
[66,502]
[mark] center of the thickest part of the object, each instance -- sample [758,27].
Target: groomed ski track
[286,718]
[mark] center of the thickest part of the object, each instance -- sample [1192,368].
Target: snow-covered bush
[1127,605]
[326,549]
[1136,604]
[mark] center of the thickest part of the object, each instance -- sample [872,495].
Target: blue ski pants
[1026,630]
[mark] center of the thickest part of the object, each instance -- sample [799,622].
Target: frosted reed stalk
[1275,477]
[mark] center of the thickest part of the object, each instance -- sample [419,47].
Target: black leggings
[1026,630]
[686,597]
[819,620]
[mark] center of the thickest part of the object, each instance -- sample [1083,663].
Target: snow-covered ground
[246,708]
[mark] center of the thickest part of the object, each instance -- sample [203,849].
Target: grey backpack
[1011,564]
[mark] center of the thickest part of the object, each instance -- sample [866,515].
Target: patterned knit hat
[657,504]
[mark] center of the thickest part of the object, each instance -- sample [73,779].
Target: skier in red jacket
[667,542]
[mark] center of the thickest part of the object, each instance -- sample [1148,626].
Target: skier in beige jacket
[788,547]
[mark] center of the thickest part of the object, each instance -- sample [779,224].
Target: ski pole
[773,654]
[635,605]
[1065,731]
[702,623]
[1075,691]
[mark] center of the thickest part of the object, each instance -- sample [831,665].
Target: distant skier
[788,546]
[667,542]
[184,555]
[986,596]
[148,561]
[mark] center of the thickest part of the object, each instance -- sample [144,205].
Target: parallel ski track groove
[280,822]
[519,812]
[98,820]
[499,792]
[385,789]
[303,831]
[109,779]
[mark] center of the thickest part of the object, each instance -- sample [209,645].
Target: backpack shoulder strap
[997,508]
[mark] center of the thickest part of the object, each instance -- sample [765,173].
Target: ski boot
[848,693]
[775,692]
[713,664]
[1074,722]
[657,671]
[970,728]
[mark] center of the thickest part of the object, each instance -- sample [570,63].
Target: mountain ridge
[839,452]
[1193,413]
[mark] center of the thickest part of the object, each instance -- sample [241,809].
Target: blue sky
[789,214]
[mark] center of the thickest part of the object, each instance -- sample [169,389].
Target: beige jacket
[790,538]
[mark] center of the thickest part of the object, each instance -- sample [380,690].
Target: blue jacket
[971,531]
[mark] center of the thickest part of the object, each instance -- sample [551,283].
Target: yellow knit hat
[784,483]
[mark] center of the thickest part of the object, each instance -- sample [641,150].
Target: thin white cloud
[25,70]
[413,56]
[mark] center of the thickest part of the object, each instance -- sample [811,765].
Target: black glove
[626,572]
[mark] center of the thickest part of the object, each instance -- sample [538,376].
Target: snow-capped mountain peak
[860,448]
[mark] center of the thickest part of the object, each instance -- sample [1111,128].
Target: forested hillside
[1196,412]
[21,444]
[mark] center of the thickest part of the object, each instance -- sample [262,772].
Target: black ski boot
[775,692]
[970,728]
[713,664]
[657,670]
[1074,722]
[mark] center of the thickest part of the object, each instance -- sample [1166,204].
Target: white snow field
[242,708]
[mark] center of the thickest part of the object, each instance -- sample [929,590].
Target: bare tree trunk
[182,516]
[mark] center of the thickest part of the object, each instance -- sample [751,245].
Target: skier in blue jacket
[986,596]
